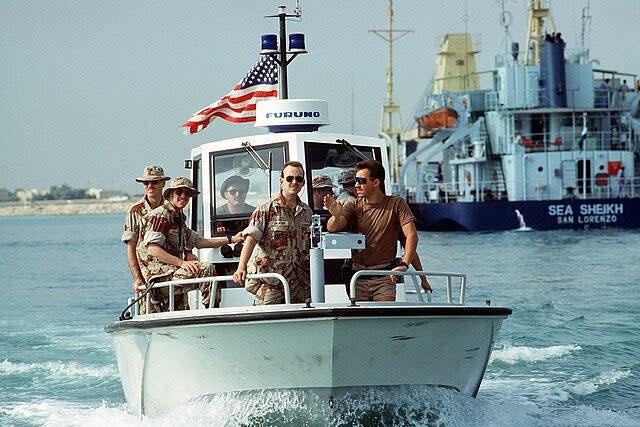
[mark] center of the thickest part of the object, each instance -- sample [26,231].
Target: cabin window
[241,180]
[197,221]
[327,163]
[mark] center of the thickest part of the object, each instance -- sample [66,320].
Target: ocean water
[568,356]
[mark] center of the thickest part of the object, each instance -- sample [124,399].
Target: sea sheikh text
[596,213]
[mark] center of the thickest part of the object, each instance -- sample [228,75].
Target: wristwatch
[229,239]
[403,264]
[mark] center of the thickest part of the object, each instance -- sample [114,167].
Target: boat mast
[280,54]
[538,13]
[388,130]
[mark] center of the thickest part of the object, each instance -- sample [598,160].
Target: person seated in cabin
[380,218]
[347,180]
[322,186]
[165,243]
[234,190]
[280,229]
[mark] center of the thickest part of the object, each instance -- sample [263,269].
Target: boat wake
[380,406]
[513,355]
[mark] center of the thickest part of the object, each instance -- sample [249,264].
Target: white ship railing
[449,279]
[415,275]
[172,284]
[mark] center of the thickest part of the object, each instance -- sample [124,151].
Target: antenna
[505,22]
[277,46]
[387,129]
[586,27]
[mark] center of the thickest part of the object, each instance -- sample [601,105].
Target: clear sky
[92,91]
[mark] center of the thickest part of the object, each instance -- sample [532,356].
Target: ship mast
[538,13]
[388,130]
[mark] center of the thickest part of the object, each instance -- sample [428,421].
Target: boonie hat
[153,173]
[180,182]
[322,181]
[235,179]
[347,176]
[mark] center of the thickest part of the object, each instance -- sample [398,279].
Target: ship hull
[537,215]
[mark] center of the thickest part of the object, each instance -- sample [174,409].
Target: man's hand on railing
[394,278]
[138,285]
[425,284]
[240,275]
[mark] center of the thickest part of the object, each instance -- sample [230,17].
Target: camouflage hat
[153,173]
[347,176]
[180,182]
[322,181]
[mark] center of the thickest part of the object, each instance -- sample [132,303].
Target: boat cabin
[253,164]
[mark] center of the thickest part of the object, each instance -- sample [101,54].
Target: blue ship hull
[537,215]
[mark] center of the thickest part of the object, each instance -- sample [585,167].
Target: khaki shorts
[374,288]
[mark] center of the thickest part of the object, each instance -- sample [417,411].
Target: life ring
[468,177]
[602,179]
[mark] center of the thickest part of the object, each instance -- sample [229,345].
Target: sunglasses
[233,192]
[362,180]
[152,183]
[299,179]
[179,192]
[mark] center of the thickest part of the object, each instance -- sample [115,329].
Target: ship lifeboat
[443,117]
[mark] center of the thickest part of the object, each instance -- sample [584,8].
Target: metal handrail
[214,286]
[415,274]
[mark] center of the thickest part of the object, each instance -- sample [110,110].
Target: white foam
[590,386]
[513,355]
[53,413]
[59,369]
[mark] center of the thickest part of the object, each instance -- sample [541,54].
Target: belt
[358,267]
[373,276]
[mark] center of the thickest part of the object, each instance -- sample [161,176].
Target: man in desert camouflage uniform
[153,179]
[280,229]
[165,243]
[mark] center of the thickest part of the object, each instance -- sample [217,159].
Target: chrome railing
[416,284]
[214,287]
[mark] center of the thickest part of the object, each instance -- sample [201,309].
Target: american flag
[239,105]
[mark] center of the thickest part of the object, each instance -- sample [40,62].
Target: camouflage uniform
[166,227]
[134,220]
[133,225]
[283,247]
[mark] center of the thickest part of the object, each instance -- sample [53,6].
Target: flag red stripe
[238,106]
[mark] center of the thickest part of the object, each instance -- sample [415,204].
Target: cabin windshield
[327,163]
[242,179]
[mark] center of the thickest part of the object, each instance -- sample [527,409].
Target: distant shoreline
[65,207]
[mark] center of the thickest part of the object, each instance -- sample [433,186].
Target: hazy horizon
[94,91]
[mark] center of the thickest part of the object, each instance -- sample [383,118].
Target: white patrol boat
[331,345]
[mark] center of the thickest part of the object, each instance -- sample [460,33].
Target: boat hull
[537,215]
[327,351]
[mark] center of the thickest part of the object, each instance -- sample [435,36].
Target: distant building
[28,195]
[95,192]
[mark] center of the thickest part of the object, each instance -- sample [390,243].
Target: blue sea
[568,356]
